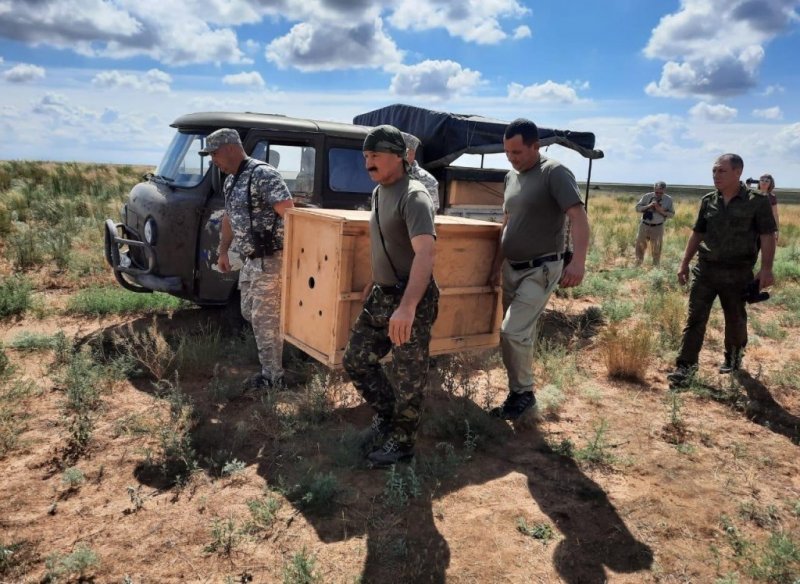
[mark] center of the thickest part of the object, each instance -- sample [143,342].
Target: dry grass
[628,350]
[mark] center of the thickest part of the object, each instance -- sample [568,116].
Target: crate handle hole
[320,313]
[301,303]
[311,282]
[326,257]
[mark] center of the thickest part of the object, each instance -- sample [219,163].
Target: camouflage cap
[219,138]
[385,138]
[412,142]
[660,184]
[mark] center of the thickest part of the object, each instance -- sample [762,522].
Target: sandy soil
[652,511]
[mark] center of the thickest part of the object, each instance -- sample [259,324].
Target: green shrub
[28,341]
[77,564]
[101,301]
[315,493]
[15,296]
[24,250]
[301,570]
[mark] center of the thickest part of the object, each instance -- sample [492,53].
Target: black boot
[374,436]
[390,453]
[733,361]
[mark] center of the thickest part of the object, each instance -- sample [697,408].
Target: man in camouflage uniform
[733,223]
[401,303]
[417,172]
[256,197]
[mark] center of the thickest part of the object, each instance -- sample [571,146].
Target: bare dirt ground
[656,503]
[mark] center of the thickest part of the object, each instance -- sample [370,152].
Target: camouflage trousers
[655,235]
[708,282]
[395,391]
[260,286]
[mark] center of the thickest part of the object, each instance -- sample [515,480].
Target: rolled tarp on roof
[446,136]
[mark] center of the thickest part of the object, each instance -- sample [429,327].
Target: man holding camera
[401,304]
[656,207]
[256,197]
[733,223]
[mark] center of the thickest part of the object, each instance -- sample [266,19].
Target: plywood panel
[464,192]
[327,266]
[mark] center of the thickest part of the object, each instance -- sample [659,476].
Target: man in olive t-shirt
[401,305]
[540,195]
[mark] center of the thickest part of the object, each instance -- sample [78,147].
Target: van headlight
[150,231]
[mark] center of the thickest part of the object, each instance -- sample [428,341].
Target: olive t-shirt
[731,232]
[405,210]
[536,201]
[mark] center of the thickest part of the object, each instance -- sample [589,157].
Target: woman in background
[766,184]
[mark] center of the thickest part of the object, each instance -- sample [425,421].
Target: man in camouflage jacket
[401,303]
[256,197]
[733,224]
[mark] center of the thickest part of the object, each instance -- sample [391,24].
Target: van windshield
[182,165]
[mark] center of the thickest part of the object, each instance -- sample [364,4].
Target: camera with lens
[647,215]
[751,181]
[263,244]
[753,294]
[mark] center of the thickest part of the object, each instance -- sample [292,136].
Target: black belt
[537,262]
[652,224]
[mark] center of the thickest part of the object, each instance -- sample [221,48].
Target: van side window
[347,171]
[294,163]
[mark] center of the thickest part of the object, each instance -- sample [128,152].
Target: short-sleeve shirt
[536,202]
[405,211]
[267,188]
[731,232]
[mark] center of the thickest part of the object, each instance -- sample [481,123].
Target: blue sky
[666,86]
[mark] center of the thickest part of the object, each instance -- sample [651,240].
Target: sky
[665,85]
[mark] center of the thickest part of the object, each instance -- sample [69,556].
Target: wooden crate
[474,193]
[326,265]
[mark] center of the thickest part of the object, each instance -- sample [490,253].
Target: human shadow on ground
[402,539]
[305,450]
[762,408]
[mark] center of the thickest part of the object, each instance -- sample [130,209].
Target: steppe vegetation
[128,452]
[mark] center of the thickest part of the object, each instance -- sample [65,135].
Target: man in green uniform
[732,225]
[401,305]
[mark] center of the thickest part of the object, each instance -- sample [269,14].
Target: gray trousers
[525,296]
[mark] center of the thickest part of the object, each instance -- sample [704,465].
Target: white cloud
[713,112]
[24,73]
[547,92]
[123,29]
[522,32]
[251,79]
[770,113]
[59,108]
[773,89]
[153,81]
[436,79]
[715,47]
[787,141]
[475,21]
[252,46]
[327,46]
